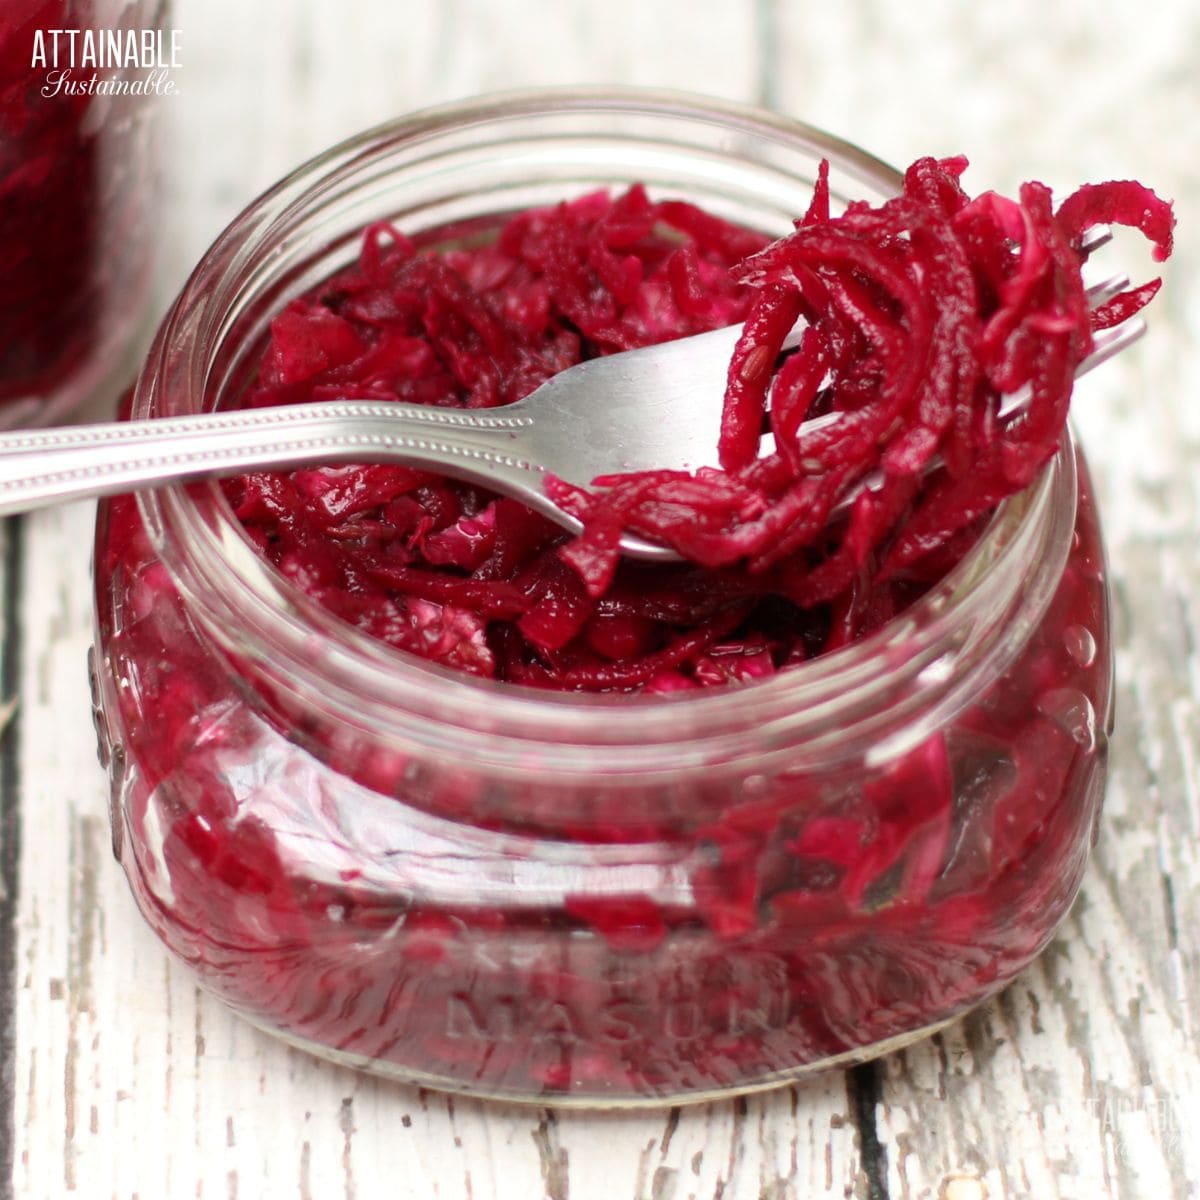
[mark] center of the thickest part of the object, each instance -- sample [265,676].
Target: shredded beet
[918,314]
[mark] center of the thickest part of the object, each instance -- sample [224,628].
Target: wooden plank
[265,86]
[1082,1079]
[11,542]
[130,1081]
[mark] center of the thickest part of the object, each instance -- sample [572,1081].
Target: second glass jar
[78,186]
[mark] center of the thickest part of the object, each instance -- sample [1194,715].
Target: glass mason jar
[605,899]
[77,190]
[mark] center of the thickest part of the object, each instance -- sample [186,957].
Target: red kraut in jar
[918,313]
[635,933]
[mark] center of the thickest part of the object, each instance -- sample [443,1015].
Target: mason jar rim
[918,665]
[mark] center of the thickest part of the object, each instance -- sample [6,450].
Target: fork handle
[42,467]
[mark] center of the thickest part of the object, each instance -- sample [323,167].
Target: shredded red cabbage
[918,313]
[824,910]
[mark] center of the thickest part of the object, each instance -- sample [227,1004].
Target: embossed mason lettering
[623,1016]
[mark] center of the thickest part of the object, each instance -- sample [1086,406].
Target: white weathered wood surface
[1082,1080]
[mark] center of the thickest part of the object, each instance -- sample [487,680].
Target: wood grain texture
[1081,1080]
[11,542]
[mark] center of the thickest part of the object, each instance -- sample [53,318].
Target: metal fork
[657,407]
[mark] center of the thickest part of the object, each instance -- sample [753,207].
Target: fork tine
[1105,344]
[1105,289]
[1110,342]
[1093,239]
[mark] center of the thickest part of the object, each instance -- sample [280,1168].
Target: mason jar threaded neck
[870,700]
